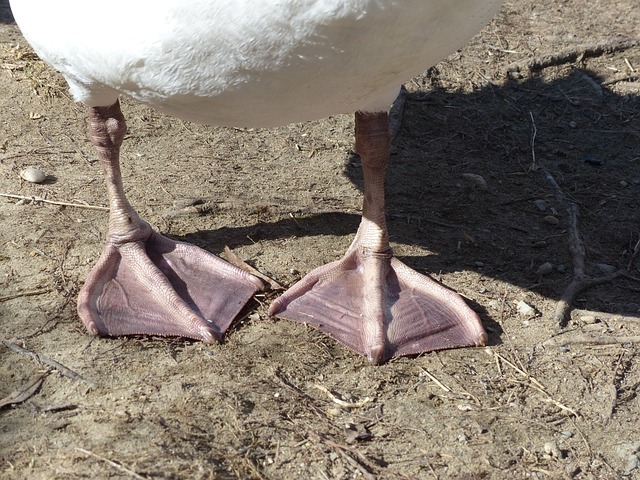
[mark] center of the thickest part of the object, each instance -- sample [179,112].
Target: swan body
[254,63]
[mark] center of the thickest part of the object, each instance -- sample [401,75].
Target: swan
[256,63]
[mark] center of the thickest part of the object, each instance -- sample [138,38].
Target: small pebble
[541,205]
[623,183]
[593,160]
[588,319]
[550,448]
[479,264]
[606,268]
[633,462]
[632,307]
[494,304]
[544,269]
[561,268]
[33,175]
[566,434]
[477,180]
[525,309]
[551,220]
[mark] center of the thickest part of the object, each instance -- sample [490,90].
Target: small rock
[628,453]
[544,269]
[561,268]
[477,180]
[465,407]
[606,268]
[334,411]
[566,434]
[551,220]
[525,309]
[479,264]
[541,205]
[633,462]
[33,175]
[623,183]
[589,319]
[551,448]
[593,160]
[632,307]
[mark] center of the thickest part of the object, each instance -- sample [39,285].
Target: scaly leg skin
[145,283]
[369,300]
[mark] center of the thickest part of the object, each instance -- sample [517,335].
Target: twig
[572,54]
[607,316]
[54,202]
[25,392]
[580,281]
[585,339]
[241,264]
[362,465]
[634,254]
[621,77]
[28,293]
[38,357]
[116,465]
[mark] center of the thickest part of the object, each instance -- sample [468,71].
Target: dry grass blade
[116,465]
[436,381]
[519,370]
[341,402]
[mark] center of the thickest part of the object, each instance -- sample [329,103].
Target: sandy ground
[278,400]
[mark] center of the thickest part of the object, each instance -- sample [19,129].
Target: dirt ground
[278,400]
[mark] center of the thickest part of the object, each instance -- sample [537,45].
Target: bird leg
[145,283]
[369,300]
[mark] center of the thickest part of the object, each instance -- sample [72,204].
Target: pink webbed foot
[380,308]
[145,283]
[369,300]
[163,287]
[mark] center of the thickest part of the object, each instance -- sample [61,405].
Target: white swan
[256,63]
